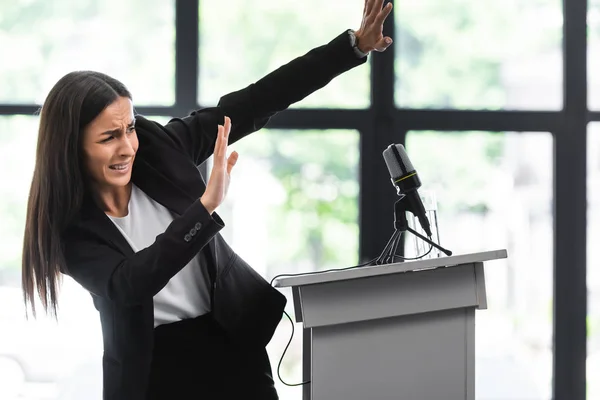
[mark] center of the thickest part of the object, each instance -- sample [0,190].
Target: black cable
[292,322]
[391,248]
[326,270]
[281,359]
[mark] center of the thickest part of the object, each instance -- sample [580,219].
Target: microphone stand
[400,227]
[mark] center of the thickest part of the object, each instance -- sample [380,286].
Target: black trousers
[194,359]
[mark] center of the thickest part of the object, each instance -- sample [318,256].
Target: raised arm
[250,108]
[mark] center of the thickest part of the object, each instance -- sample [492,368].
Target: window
[593,260]
[474,54]
[593,54]
[132,41]
[494,191]
[243,40]
[453,55]
[18,138]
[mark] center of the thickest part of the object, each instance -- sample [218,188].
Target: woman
[117,203]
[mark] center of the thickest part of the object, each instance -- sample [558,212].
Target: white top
[187,294]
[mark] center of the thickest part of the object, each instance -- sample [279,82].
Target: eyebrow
[113,131]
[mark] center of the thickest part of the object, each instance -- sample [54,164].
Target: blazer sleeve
[106,272]
[251,108]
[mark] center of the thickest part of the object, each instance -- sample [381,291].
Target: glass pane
[479,54]
[593,54]
[110,36]
[593,261]
[498,195]
[239,45]
[293,207]
[40,359]
[18,139]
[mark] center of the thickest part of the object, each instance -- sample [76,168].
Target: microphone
[406,180]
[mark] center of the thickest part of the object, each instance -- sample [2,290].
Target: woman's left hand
[370,34]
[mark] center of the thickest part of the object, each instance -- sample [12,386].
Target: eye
[131,129]
[108,139]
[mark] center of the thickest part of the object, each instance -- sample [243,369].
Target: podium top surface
[312,278]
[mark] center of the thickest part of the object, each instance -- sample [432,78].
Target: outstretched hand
[218,182]
[370,34]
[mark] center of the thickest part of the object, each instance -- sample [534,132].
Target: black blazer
[122,283]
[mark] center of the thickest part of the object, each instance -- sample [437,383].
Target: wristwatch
[354,44]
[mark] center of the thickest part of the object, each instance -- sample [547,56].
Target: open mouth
[120,167]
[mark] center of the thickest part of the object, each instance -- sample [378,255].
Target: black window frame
[383,123]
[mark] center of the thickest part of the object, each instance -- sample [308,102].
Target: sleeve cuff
[197,224]
[353,43]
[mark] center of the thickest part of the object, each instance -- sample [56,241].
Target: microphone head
[402,173]
[397,161]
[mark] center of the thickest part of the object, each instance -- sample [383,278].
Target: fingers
[222,140]
[227,126]
[374,7]
[219,142]
[231,161]
[225,143]
[366,8]
[383,44]
[383,14]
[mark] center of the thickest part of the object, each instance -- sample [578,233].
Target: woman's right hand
[218,182]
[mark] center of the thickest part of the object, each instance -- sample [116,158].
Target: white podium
[403,331]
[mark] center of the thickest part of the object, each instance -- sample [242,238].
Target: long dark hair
[58,185]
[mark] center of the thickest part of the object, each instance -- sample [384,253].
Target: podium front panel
[417,357]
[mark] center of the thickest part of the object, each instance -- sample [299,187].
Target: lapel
[155,185]
[160,188]
[94,219]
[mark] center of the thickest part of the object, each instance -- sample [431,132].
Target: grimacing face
[109,145]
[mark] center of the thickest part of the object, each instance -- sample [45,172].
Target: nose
[127,147]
